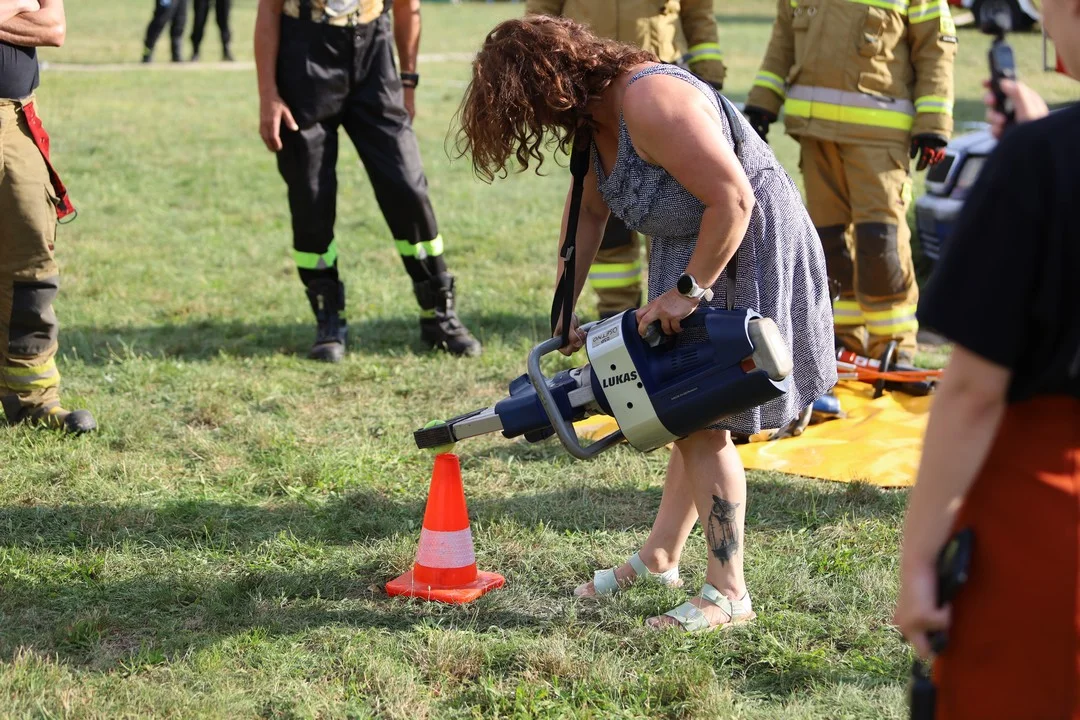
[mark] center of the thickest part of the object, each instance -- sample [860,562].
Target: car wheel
[1019,20]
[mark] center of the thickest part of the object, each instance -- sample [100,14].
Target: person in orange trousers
[1002,449]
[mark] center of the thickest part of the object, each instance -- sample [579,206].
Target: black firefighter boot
[327,298]
[53,417]
[440,327]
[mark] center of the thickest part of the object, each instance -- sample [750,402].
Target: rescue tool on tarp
[657,388]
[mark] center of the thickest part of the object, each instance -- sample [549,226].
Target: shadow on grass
[252,572]
[83,621]
[203,340]
[370,515]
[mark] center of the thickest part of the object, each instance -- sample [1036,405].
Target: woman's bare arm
[673,125]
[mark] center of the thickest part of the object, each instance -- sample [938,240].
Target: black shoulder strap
[305,10]
[737,138]
[563,302]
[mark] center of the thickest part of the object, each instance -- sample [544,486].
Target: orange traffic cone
[445,568]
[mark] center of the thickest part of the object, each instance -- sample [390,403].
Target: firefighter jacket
[869,71]
[676,31]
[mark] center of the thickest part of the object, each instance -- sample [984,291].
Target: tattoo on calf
[721,530]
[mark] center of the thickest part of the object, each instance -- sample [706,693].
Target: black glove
[930,147]
[760,119]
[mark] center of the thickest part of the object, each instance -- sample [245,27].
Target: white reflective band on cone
[443,549]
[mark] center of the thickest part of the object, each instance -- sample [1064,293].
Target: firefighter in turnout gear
[865,85]
[326,64]
[32,199]
[683,32]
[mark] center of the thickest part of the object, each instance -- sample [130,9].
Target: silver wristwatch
[688,287]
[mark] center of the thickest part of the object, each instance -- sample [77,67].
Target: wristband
[410,80]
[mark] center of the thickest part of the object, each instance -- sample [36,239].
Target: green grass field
[219,548]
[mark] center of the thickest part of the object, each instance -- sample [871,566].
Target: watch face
[685,285]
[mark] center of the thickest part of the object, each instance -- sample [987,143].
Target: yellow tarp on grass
[879,442]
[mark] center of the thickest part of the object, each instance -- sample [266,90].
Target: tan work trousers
[616,272]
[858,198]
[29,278]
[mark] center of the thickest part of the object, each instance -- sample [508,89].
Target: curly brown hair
[533,76]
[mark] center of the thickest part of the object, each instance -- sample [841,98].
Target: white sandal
[691,619]
[606,584]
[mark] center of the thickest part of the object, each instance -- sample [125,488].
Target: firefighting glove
[760,119]
[930,147]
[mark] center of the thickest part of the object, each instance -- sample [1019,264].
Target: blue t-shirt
[18,71]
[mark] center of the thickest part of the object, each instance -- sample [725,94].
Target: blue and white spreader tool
[657,388]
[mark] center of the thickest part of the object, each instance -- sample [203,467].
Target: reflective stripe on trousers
[421,250]
[30,378]
[615,275]
[892,322]
[317,261]
[848,313]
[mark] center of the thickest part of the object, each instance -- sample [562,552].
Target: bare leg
[674,521]
[715,472]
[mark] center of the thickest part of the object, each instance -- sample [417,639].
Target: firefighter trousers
[29,278]
[166,12]
[858,198]
[202,14]
[333,77]
[616,272]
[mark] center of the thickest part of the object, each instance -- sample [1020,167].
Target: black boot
[147,55]
[226,53]
[177,55]
[194,53]
[332,335]
[76,422]
[440,327]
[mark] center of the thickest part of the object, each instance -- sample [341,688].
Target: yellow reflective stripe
[316,261]
[615,275]
[608,284]
[421,250]
[30,378]
[906,326]
[853,115]
[33,384]
[900,319]
[900,6]
[771,81]
[48,367]
[847,312]
[703,51]
[933,104]
[929,11]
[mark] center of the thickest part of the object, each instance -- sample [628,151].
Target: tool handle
[563,428]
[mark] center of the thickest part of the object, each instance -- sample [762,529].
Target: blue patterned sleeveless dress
[781,267]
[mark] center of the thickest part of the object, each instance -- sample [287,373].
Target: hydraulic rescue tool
[657,388]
